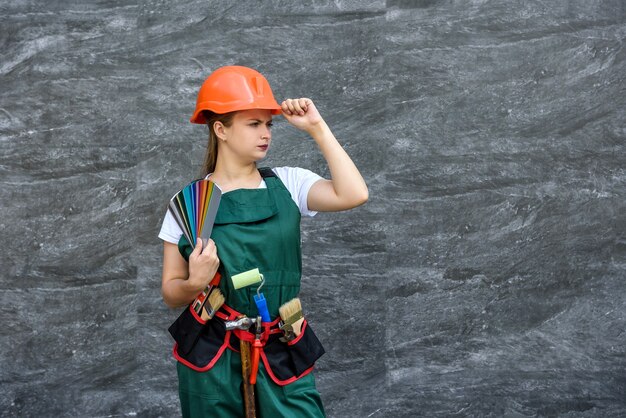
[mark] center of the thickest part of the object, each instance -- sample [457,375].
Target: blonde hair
[210,158]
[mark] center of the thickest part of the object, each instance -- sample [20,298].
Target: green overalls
[254,228]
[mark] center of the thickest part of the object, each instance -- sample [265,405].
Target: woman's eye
[269,125]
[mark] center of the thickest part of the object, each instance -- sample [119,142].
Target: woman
[257,226]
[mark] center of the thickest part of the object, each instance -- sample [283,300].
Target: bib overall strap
[266,172]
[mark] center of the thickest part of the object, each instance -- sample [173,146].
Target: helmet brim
[198,116]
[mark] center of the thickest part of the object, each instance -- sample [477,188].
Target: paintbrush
[198,304]
[210,305]
[213,304]
[291,319]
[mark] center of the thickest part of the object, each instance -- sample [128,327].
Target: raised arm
[346,189]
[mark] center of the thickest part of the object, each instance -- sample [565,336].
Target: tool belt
[200,344]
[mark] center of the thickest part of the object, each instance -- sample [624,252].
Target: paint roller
[241,280]
[248,278]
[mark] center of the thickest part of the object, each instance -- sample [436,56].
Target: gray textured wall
[485,276]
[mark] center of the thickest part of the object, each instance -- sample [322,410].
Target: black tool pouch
[186,331]
[292,359]
[197,343]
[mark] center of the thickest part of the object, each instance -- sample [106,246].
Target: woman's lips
[263,147]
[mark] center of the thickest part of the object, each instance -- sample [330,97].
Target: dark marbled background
[485,276]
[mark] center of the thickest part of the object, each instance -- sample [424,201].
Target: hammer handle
[248,389]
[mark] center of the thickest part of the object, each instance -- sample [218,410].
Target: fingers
[210,250]
[210,246]
[207,253]
[198,249]
[203,263]
[295,106]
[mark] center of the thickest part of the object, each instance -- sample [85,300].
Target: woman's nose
[267,134]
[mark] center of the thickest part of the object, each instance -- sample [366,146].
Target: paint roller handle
[261,305]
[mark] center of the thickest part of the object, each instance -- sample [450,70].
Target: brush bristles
[289,309]
[292,319]
[212,305]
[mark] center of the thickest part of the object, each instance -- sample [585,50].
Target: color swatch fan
[195,208]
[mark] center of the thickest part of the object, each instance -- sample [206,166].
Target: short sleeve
[298,181]
[170,231]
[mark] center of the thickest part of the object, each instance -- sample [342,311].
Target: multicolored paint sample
[195,207]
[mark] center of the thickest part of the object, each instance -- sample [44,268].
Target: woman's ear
[220,130]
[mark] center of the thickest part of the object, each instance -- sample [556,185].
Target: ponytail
[210,158]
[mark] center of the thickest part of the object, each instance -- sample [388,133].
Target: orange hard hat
[232,88]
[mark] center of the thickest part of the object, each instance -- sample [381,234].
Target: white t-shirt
[297,180]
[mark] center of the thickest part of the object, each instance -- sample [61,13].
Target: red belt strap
[245,335]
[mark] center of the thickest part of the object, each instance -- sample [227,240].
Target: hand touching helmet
[301,113]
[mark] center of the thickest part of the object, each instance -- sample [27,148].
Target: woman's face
[250,134]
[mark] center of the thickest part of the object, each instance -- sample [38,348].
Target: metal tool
[242,323]
[256,350]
